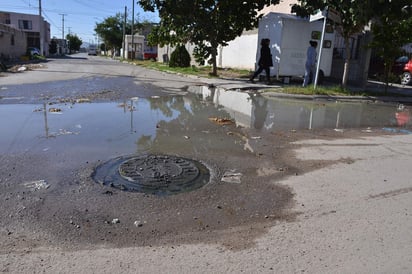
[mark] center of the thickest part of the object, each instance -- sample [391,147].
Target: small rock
[115,221]
[138,224]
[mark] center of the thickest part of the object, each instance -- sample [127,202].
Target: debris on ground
[231,177]
[83,100]
[221,121]
[37,185]
[21,68]
[55,110]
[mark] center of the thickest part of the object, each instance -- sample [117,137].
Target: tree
[53,46]
[111,30]
[180,57]
[354,17]
[74,42]
[391,28]
[205,23]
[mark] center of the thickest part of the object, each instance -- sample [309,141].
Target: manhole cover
[155,174]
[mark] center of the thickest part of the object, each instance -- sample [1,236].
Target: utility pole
[41,26]
[62,14]
[65,46]
[133,51]
[124,30]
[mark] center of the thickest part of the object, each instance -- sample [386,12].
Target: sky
[80,16]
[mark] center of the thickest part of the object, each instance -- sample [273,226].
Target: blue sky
[80,16]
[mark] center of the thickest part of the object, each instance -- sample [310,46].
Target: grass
[204,71]
[320,90]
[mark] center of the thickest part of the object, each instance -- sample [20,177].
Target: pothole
[153,174]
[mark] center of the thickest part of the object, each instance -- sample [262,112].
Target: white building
[134,46]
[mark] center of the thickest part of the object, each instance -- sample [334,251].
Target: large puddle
[137,125]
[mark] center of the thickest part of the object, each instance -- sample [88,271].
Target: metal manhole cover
[154,174]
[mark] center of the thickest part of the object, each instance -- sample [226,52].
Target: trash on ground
[63,132]
[55,110]
[221,121]
[368,130]
[83,100]
[37,185]
[231,177]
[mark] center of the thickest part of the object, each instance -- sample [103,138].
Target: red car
[403,67]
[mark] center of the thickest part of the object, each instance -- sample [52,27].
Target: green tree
[180,57]
[53,46]
[111,30]
[354,17]
[391,27]
[74,42]
[205,23]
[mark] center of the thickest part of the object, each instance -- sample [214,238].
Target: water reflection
[176,124]
[158,124]
[252,110]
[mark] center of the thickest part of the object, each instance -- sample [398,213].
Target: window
[25,24]
[12,40]
[316,35]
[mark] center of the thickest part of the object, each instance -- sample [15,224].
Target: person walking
[265,60]
[310,64]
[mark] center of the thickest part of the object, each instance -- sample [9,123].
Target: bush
[180,57]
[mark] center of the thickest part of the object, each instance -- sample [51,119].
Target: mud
[49,199]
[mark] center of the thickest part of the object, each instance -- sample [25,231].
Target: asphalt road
[308,202]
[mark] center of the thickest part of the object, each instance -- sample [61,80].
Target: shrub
[180,57]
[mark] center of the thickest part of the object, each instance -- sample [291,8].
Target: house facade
[13,43]
[31,25]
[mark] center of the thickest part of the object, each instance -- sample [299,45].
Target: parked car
[31,51]
[403,68]
[92,50]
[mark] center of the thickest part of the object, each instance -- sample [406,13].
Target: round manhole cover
[154,174]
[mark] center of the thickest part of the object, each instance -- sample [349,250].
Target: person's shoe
[251,80]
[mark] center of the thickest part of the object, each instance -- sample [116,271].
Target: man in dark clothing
[265,60]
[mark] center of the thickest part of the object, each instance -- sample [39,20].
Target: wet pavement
[56,133]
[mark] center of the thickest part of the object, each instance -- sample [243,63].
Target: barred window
[25,24]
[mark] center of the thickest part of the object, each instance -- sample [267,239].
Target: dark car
[403,68]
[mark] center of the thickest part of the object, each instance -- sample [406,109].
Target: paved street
[309,202]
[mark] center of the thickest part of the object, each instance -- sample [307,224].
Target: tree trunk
[347,64]
[214,65]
